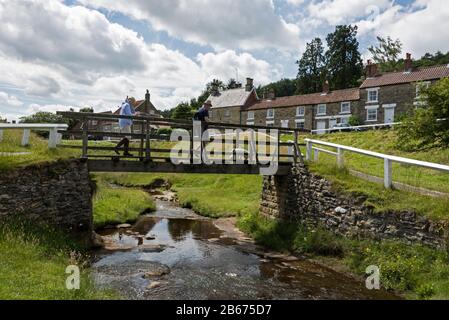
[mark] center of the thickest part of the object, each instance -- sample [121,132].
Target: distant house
[308,112]
[385,96]
[227,105]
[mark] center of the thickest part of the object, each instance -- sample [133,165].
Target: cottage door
[332,123]
[321,126]
[389,115]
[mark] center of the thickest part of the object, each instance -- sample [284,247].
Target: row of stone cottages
[380,99]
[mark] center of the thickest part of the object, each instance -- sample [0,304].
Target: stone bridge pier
[306,198]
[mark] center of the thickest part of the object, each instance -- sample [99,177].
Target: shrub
[428,126]
[355,121]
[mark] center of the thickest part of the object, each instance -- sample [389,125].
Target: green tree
[233,84]
[311,68]
[344,62]
[183,111]
[283,88]
[386,54]
[428,126]
[429,59]
[87,110]
[43,117]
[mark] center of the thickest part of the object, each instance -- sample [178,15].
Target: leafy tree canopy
[311,68]
[427,126]
[282,88]
[43,117]
[344,62]
[386,54]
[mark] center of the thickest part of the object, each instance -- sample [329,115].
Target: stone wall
[309,199]
[57,194]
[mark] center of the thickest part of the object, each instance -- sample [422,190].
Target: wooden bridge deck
[153,155]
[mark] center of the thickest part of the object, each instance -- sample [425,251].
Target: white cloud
[9,100]
[224,24]
[59,55]
[295,2]
[423,28]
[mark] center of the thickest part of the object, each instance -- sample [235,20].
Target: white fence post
[340,158]
[53,138]
[26,137]
[309,150]
[1,135]
[388,172]
[316,155]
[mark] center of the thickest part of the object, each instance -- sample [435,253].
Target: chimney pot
[408,63]
[249,84]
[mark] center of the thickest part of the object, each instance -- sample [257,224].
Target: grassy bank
[38,151]
[386,141]
[113,204]
[33,261]
[209,195]
[416,271]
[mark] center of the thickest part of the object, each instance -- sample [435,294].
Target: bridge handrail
[53,128]
[368,126]
[388,159]
[155,120]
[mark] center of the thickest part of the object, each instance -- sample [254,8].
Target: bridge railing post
[1,135]
[85,137]
[26,137]
[53,138]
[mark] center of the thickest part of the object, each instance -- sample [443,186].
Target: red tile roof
[424,74]
[309,99]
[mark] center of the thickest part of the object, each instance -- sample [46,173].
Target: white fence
[388,159]
[54,138]
[369,126]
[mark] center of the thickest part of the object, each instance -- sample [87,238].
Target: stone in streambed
[123,226]
[154,285]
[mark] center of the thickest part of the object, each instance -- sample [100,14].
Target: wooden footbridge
[242,149]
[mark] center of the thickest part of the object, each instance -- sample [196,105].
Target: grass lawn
[113,204]
[209,195]
[385,141]
[417,272]
[33,262]
[38,150]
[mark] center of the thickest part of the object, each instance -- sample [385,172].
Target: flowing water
[176,254]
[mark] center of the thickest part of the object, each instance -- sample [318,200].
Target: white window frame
[285,121]
[318,113]
[368,109]
[270,113]
[300,121]
[369,96]
[251,115]
[270,123]
[419,86]
[301,111]
[345,104]
[344,120]
[227,113]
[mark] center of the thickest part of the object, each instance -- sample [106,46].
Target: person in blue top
[127,109]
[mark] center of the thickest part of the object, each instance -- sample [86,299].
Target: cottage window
[300,124]
[250,115]
[371,114]
[420,87]
[321,110]
[373,95]
[300,111]
[345,107]
[270,113]
[227,113]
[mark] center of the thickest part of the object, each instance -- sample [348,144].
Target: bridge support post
[388,173]
[1,135]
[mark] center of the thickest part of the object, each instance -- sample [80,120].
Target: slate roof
[230,98]
[424,74]
[309,99]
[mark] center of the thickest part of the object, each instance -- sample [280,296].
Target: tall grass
[33,261]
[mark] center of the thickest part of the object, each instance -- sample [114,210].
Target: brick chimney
[271,94]
[249,84]
[408,63]
[147,102]
[371,69]
[326,87]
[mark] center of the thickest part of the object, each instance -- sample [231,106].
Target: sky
[57,55]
